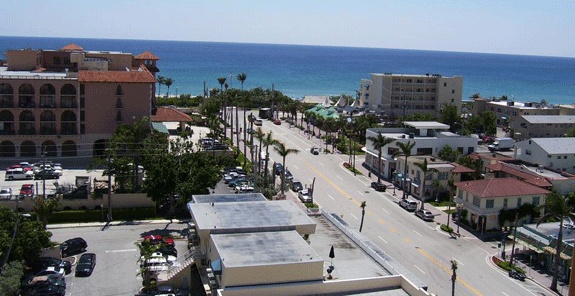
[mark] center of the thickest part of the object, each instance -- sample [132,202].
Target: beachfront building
[484,199]
[507,110]
[429,137]
[246,245]
[67,102]
[554,153]
[436,179]
[400,95]
[541,126]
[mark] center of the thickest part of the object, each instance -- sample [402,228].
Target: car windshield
[85,260]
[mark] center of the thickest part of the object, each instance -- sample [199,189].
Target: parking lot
[117,263]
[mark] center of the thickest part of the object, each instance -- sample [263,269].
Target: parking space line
[360,192]
[339,177]
[330,197]
[121,251]
[320,163]
[419,269]
[354,216]
[293,165]
[385,211]
[417,232]
[383,239]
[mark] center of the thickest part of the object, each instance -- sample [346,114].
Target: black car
[296,185]
[278,168]
[44,285]
[46,174]
[378,186]
[44,262]
[86,264]
[73,246]
[314,150]
[168,251]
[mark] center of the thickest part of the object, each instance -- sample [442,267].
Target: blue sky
[543,27]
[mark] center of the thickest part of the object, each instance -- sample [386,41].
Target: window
[442,176]
[527,151]
[476,200]
[66,60]
[489,204]
[445,84]
[119,116]
[452,91]
[452,100]
[56,60]
[535,201]
[82,128]
[82,115]
[82,102]
[505,202]
[519,201]
[559,157]
[565,157]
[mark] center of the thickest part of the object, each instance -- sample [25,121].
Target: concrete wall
[22,60]
[530,152]
[125,200]
[270,274]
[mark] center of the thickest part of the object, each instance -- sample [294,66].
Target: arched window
[26,89]
[49,148]
[68,116]
[69,149]
[100,147]
[26,96]
[6,89]
[27,149]
[47,89]
[68,89]
[47,116]
[27,116]
[68,123]
[47,96]
[68,96]
[47,123]
[7,149]
[7,123]
[119,91]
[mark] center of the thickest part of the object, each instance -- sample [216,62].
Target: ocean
[299,70]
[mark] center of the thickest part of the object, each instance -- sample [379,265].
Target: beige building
[484,199]
[399,95]
[67,102]
[541,126]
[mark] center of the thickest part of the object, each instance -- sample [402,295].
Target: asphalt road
[116,257]
[420,246]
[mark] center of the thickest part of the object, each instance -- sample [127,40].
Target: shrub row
[507,266]
[96,215]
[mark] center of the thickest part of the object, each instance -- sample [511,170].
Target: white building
[399,95]
[541,126]
[429,137]
[554,153]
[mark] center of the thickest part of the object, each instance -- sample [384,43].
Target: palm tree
[362,206]
[453,276]
[556,208]
[222,81]
[259,134]
[242,77]
[161,80]
[378,143]
[168,82]
[405,150]
[281,149]
[267,141]
[423,167]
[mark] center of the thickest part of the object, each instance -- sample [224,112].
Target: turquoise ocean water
[299,70]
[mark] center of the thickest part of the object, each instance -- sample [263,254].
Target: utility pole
[514,237]
[109,191]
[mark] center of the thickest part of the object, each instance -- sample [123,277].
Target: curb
[528,278]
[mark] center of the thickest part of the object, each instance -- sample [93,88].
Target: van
[407,204]
[19,174]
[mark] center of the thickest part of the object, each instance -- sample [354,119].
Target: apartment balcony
[48,131]
[26,104]
[7,131]
[68,104]
[69,131]
[27,131]
[6,101]
[48,101]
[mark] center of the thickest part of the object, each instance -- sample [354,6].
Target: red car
[277,122]
[27,190]
[169,242]
[17,166]
[153,239]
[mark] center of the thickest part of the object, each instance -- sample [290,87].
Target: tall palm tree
[423,167]
[267,141]
[222,81]
[405,150]
[556,208]
[362,206]
[259,134]
[161,80]
[242,77]
[168,82]
[283,151]
[378,143]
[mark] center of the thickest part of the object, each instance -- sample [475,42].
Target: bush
[311,205]
[507,266]
[446,229]
[96,215]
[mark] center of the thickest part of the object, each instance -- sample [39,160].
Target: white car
[58,170]
[305,196]
[6,193]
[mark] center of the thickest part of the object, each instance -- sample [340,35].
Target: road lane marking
[417,233]
[458,261]
[354,216]
[385,211]
[330,197]
[360,192]
[370,213]
[121,251]
[339,177]
[320,163]
[393,229]
[482,249]
[407,240]
[504,293]
[448,271]
[381,221]
[293,165]
[419,269]
[381,238]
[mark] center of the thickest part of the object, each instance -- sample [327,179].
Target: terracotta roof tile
[116,76]
[515,171]
[72,46]
[146,55]
[499,187]
[164,114]
[461,169]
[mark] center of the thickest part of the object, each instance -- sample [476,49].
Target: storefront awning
[552,251]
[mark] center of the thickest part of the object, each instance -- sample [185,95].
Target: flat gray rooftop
[426,124]
[249,216]
[209,198]
[263,248]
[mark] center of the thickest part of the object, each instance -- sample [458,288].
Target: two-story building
[484,199]
[554,153]
[541,126]
[429,137]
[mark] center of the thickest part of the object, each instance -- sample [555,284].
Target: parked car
[278,168]
[168,251]
[73,246]
[6,193]
[153,239]
[288,175]
[314,150]
[46,174]
[86,264]
[44,285]
[296,185]
[424,214]
[277,122]
[407,204]
[27,190]
[305,196]
[45,262]
[19,174]
[55,270]
[168,241]
[58,170]
[378,186]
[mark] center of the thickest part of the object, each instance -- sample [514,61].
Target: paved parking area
[117,256]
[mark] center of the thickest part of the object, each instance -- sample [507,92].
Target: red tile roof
[146,55]
[72,46]
[499,187]
[116,76]
[164,114]
[461,169]
[525,176]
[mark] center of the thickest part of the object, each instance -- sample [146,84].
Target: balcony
[26,104]
[69,131]
[6,101]
[68,104]
[7,131]
[119,105]
[48,131]
[27,131]
[47,102]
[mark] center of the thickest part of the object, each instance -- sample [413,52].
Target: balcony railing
[69,131]
[26,104]
[27,131]
[7,131]
[68,104]
[6,104]
[48,131]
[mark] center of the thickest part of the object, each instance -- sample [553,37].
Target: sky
[530,27]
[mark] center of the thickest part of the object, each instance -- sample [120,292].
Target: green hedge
[507,266]
[96,215]
[446,229]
